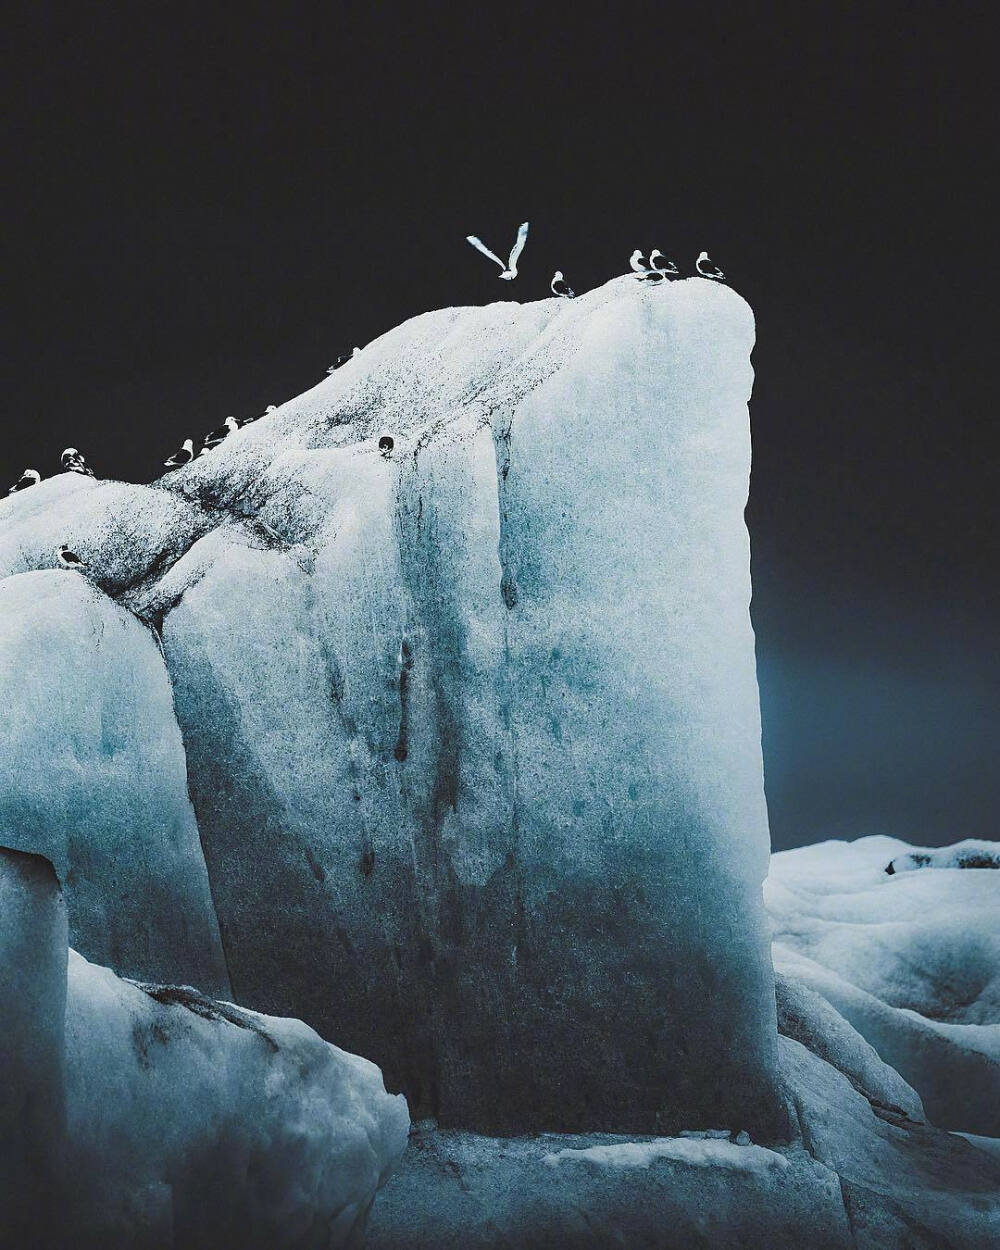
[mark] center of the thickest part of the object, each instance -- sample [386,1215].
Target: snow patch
[696,1151]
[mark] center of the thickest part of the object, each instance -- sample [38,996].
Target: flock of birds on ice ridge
[657,268]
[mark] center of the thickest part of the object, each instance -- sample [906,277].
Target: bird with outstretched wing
[508,271]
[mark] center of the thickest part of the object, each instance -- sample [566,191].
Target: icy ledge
[856,1176]
[137,1116]
[864,1169]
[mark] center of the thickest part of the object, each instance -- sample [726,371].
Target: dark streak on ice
[315,866]
[208,1008]
[405,664]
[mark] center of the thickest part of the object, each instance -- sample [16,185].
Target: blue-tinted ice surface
[456,755]
[152,1116]
[472,732]
[93,776]
[910,959]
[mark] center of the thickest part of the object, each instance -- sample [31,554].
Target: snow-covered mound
[911,959]
[151,1116]
[472,731]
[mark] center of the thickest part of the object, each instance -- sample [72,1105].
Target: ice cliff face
[471,733]
[92,775]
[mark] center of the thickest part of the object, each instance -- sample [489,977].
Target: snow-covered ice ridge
[151,1116]
[469,736]
[910,958]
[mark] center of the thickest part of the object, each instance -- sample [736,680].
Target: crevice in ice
[508,577]
[845,1198]
[200,1005]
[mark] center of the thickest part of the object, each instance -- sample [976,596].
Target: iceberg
[471,731]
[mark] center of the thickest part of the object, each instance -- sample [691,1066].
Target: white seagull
[509,271]
[215,437]
[641,270]
[181,456]
[69,559]
[666,267]
[708,269]
[559,286]
[73,462]
[30,477]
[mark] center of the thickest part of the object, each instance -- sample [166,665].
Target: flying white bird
[73,462]
[30,477]
[508,271]
[69,559]
[215,437]
[181,456]
[708,269]
[559,286]
[665,265]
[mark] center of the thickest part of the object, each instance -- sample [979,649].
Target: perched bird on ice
[30,477]
[73,462]
[215,437]
[182,456]
[508,271]
[385,445]
[559,286]
[342,360]
[708,269]
[662,264]
[641,270]
[70,560]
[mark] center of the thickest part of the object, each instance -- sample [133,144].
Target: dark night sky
[201,212]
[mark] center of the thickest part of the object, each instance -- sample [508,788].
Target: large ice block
[472,730]
[92,775]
